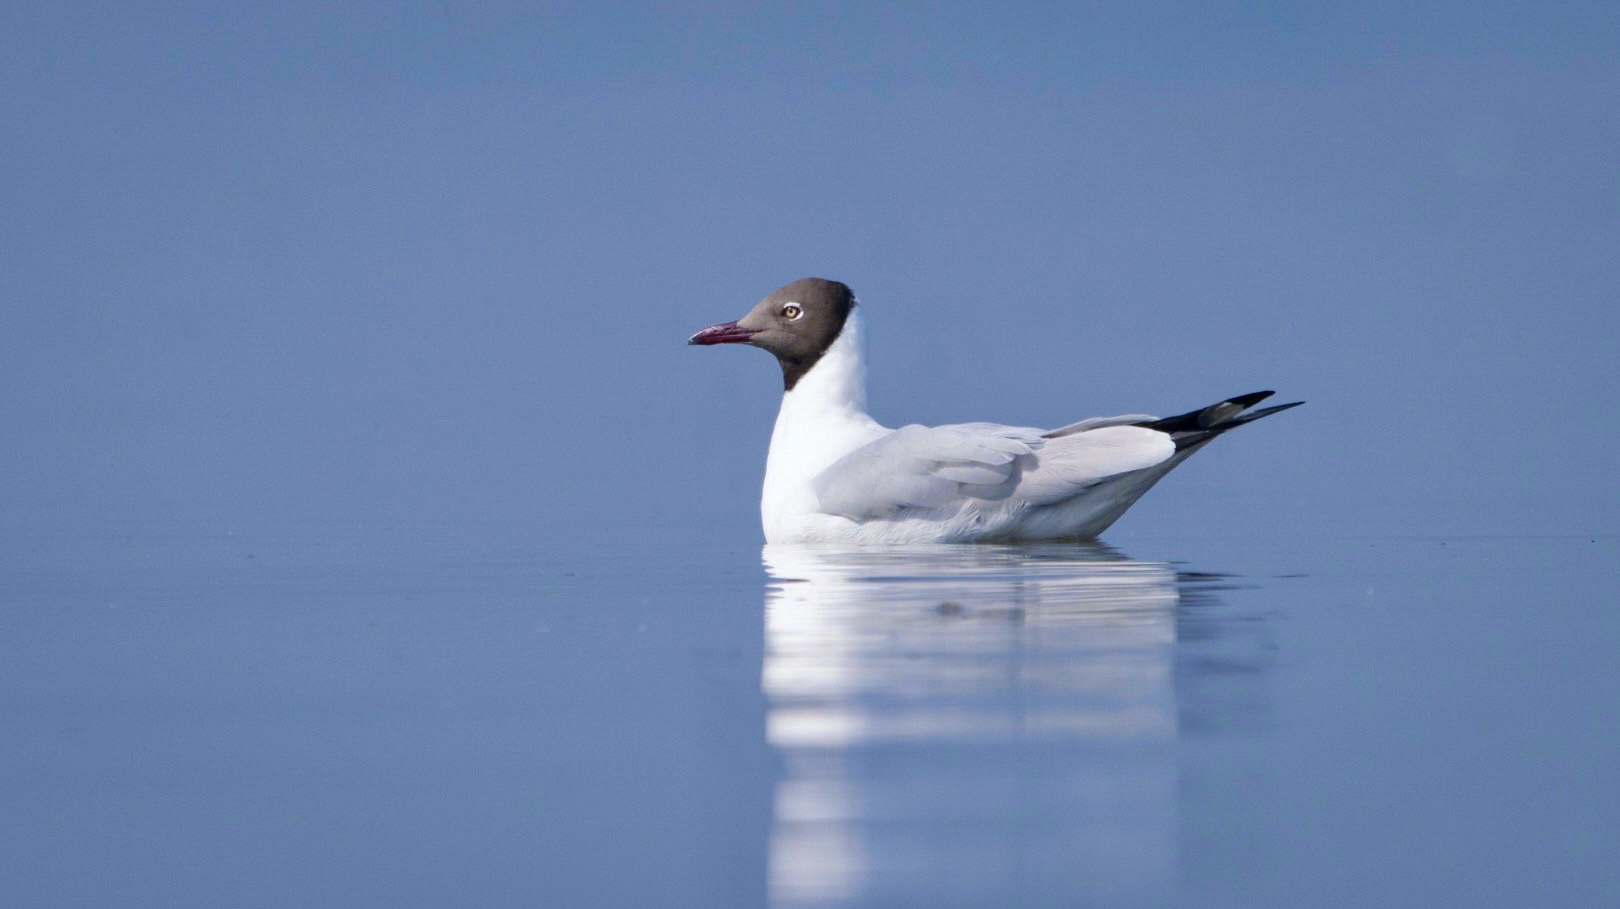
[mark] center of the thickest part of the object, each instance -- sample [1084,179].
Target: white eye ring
[792,312]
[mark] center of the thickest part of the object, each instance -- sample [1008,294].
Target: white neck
[838,379]
[822,419]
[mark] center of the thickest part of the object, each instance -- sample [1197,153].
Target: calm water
[319,714]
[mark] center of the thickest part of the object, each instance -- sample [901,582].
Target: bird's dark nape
[1198,426]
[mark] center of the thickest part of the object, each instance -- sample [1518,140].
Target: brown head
[797,323]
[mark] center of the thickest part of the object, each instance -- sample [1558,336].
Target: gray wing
[1130,419]
[948,466]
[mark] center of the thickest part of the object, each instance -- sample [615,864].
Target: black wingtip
[1215,415]
[1250,399]
[1186,439]
[1253,415]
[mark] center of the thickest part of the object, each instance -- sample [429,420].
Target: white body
[835,475]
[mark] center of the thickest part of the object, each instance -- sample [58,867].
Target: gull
[835,475]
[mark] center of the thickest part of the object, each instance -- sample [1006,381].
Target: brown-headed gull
[834,475]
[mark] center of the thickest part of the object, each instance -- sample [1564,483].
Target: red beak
[726,333]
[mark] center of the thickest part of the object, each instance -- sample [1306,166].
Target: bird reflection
[965,725]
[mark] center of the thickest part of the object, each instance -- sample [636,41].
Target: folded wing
[986,464]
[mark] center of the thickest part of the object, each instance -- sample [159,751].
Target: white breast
[822,419]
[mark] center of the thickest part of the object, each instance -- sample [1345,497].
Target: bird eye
[792,312]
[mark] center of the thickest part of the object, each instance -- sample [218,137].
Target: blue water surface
[325,714]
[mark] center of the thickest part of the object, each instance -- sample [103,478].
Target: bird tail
[1198,426]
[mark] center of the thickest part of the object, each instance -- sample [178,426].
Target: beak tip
[726,333]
